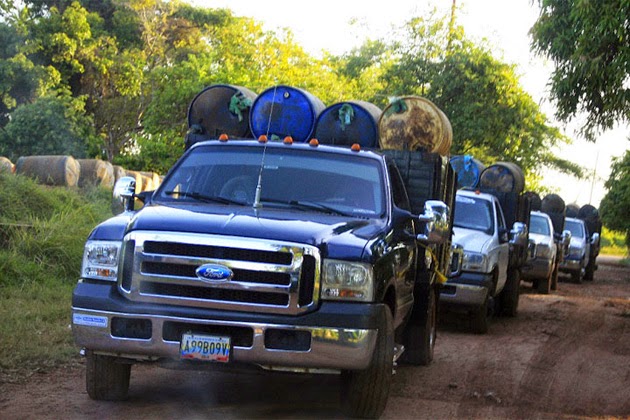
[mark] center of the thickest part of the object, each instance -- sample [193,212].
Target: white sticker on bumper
[89,320]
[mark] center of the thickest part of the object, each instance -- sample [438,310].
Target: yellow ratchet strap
[440,276]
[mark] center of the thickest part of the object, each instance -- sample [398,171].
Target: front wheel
[480,319]
[364,393]
[554,276]
[511,293]
[544,285]
[105,378]
[589,273]
[420,338]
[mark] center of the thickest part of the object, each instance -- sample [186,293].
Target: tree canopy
[615,204]
[589,44]
[115,78]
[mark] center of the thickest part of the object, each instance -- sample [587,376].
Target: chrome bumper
[538,268]
[330,348]
[463,294]
[570,265]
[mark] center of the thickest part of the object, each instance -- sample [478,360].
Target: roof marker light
[288,140]
[223,137]
[262,139]
[356,147]
[313,142]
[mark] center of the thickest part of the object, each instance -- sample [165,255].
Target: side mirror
[123,194]
[519,235]
[436,217]
[503,235]
[595,239]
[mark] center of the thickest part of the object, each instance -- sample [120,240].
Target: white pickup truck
[482,282]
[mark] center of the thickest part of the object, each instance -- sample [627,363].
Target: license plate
[205,347]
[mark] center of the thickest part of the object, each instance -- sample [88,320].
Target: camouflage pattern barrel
[415,123]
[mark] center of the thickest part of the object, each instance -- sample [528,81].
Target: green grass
[42,233]
[613,243]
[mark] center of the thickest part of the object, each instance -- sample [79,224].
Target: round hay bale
[119,172]
[152,180]
[140,180]
[50,170]
[96,172]
[6,165]
[415,123]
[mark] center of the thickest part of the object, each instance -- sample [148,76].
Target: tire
[105,378]
[576,276]
[544,285]
[419,339]
[511,293]
[589,273]
[364,393]
[554,276]
[480,319]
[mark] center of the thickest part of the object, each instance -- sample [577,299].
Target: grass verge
[42,232]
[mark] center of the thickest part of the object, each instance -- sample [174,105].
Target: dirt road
[566,355]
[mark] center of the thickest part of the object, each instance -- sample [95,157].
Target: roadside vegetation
[42,232]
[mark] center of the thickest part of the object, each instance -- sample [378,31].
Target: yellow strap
[440,276]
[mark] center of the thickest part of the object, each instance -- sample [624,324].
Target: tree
[51,125]
[615,204]
[588,43]
[492,117]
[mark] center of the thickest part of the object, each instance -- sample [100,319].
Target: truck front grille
[268,276]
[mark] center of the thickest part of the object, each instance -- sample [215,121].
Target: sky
[339,25]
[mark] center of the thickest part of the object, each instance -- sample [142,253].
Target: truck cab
[577,259]
[273,255]
[480,232]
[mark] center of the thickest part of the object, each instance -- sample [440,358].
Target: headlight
[543,251]
[342,280]
[100,260]
[473,261]
[576,252]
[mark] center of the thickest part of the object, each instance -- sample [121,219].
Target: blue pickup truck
[274,255]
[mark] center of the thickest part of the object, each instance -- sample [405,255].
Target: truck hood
[541,239]
[470,240]
[340,236]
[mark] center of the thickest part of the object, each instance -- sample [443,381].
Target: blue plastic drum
[468,170]
[282,111]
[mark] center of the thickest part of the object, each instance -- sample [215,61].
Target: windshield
[576,228]
[474,213]
[538,224]
[307,180]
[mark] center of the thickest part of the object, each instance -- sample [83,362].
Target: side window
[398,189]
[499,212]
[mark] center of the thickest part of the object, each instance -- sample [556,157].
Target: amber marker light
[356,147]
[313,142]
[262,139]
[288,140]
[223,137]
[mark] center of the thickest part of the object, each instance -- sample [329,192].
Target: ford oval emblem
[214,272]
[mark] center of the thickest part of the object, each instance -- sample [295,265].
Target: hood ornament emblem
[211,273]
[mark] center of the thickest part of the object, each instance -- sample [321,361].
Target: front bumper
[570,265]
[537,268]
[467,289]
[336,336]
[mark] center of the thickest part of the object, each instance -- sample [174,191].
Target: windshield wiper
[205,198]
[307,205]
